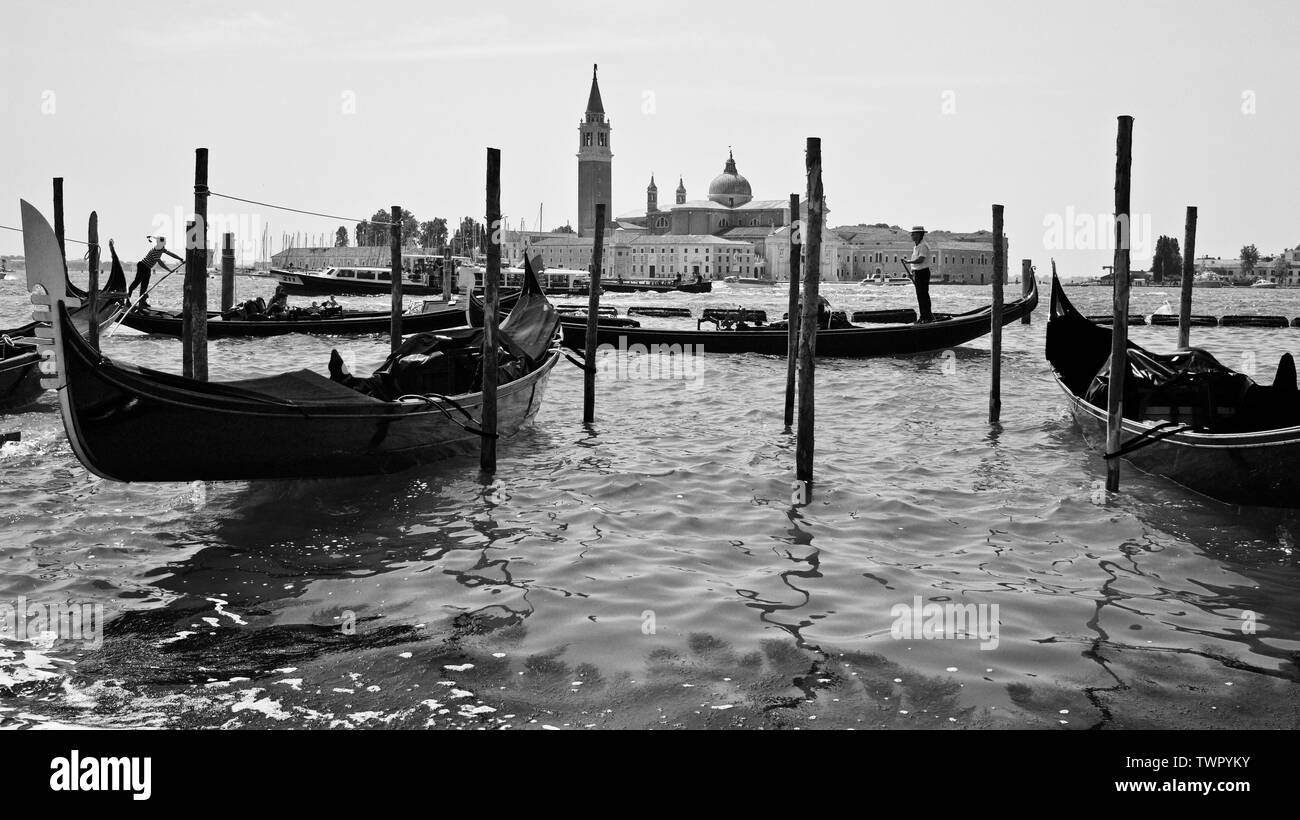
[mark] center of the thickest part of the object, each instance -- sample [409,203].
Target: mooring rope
[298,210]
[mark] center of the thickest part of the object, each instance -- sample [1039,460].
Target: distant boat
[620,285]
[749,281]
[882,279]
[352,282]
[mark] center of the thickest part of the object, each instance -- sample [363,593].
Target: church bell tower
[595,163]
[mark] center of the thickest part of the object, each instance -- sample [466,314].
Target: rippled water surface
[652,570]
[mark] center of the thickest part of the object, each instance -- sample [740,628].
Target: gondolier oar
[141,300]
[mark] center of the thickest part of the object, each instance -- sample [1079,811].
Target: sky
[928,112]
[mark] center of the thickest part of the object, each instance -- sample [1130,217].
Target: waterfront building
[856,252]
[1282,269]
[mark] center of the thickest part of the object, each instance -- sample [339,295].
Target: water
[652,571]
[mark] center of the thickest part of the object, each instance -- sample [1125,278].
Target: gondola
[20,378]
[169,324]
[1186,416]
[129,423]
[839,342]
[20,382]
[634,286]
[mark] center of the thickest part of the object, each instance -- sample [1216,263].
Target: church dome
[730,188]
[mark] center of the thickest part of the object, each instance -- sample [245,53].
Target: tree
[1249,258]
[433,234]
[1167,264]
[468,236]
[341,237]
[410,229]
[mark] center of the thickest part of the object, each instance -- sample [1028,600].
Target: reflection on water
[650,570]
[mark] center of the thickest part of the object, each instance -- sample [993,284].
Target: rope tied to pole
[1156,434]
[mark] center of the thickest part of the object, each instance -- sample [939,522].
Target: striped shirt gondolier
[153,257]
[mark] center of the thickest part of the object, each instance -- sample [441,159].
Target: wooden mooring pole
[446,275]
[196,274]
[593,318]
[187,318]
[1119,330]
[395,274]
[491,279]
[792,311]
[1026,282]
[227,271]
[92,286]
[58,222]
[1189,274]
[808,323]
[999,276]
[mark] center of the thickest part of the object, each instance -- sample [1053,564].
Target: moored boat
[619,285]
[348,322]
[1186,416]
[355,281]
[850,341]
[133,424]
[20,377]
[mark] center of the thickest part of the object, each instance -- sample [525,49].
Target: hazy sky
[928,112]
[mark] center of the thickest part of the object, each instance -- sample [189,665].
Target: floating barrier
[1171,319]
[1254,321]
[582,309]
[1108,319]
[904,316]
[654,310]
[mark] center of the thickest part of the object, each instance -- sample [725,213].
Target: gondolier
[919,264]
[144,268]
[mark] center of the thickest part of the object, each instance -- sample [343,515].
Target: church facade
[727,233]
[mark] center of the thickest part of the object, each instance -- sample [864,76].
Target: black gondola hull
[615,286]
[127,424]
[839,342]
[167,324]
[1257,469]
[20,380]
